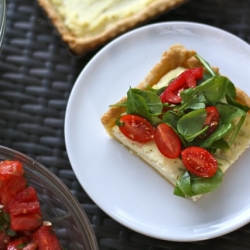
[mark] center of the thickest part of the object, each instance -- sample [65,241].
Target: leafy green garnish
[5,223]
[189,185]
[187,120]
[144,103]
[191,125]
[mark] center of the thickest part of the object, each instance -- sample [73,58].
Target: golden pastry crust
[81,45]
[176,56]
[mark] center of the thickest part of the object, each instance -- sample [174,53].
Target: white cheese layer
[90,17]
[169,168]
[164,81]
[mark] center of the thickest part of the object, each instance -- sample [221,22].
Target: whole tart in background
[87,24]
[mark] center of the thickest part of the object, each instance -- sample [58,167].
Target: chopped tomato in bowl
[37,211]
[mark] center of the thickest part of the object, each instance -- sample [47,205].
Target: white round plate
[125,187]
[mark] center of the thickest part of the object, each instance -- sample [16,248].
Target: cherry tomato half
[199,161]
[186,79]
[212,121]
[167,141]
[136,128]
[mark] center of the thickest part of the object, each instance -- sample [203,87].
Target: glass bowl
[2,21]
[58,204]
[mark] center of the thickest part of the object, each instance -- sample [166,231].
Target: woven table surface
[37,73]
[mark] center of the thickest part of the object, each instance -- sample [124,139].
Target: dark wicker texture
[37,73]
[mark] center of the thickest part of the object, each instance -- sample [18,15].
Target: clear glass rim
[2,21]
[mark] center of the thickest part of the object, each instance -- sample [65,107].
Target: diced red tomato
[11,180]
[25,212]
[22,243]
[27,222]
[25,202]
[10,186]
[22,206]
[31,246]
[46,238]
[199,161]
[4,240]
[136,128]
[187,79]
[10,167]
[212,121]
[18,243]
[167,141]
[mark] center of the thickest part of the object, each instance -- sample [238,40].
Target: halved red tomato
[46,238]
[25,212]
[199,161]
[212,121]
[186,79]
[167,141]
[136,128]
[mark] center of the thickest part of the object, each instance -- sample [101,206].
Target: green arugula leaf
[191,100]
[207,93]
[183,186]
[220,144]
[152,100]
[229,112]
[231,97]
[189,185]
[227,115]
[219,133]
[171,118]
[191,125]
[214,89]
[206,65]
[201,185]
[137,105]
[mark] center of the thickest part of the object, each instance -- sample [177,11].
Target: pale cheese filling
[87,18]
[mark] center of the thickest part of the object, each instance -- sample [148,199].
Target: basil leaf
[231,92]
[214,89]
[136,105]
[227,114]
[191,100]
[201,185]
[183,186]
[191,124]
[219,133]
[142,105]
[189,185]
[207,93]
[231,97]
[153,101]
[220,144]
[206,65]
[171,118]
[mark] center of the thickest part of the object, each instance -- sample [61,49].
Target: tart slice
[185,120]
